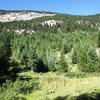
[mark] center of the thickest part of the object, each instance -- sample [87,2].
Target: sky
[74,7]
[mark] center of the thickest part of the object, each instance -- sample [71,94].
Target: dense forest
[31,49]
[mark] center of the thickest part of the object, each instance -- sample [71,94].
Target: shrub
[11,90]
[26,86]
[6,91]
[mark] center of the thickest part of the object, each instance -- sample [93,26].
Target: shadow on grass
[61,98]
[93,96]
[88,97]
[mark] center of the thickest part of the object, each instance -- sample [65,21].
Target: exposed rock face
[98,51]
[51,23]
[13,16]
[88,23]
[22,31]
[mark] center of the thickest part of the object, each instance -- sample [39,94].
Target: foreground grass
[60,87]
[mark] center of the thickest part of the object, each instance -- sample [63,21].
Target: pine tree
[99,39]
[74,57]
[62,63]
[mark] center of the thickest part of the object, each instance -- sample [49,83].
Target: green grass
[54,85]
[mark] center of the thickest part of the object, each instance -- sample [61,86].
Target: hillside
[49,56]
[43,21]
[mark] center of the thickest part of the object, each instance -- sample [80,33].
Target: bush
[26,86]
[11,90]
[7,92]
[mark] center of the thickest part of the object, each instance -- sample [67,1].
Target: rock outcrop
[51,23]
[17,16]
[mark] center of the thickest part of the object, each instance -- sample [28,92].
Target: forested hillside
[36,48]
